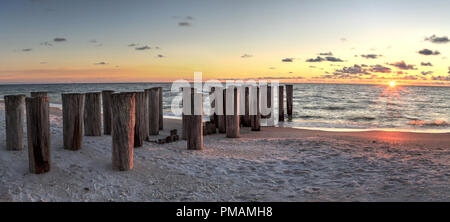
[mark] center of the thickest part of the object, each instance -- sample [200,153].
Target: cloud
[59,39]
[435,39]
[403,65]
[343,39]
[160,56]
[426,73]
[428,52]
[380,69]
[287,60]
[184,24]
[143,48]
[318,59]
[132,45]
[370,56]
[441,78]
[272,67]
[326,54]
[426,64]
[101,63]
[27,50]
[246,56]
[333,59]
[355,69]
[45,43]
[189,17]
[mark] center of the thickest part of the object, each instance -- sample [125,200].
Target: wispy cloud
[370,56]
[59,39]
[402,65]
[27,50]
[101,63]
[143,48]
[328,58]
[435,39]
[246,56]
[287,60]
[184,24]
[426,64]
[326,54]
[160,56]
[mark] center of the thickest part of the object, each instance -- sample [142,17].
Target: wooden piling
[246,117]
[73,117]
[92,114]
[141,118]
[161,114]
[39,94]
[14,117]
[123,123]
[183,119]
[289,100]
[38,134]
[222,104]
[153,110]
[255,118]
[194,123]
[232,115]
[280,103]
[106,103]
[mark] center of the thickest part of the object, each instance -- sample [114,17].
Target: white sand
[277,164]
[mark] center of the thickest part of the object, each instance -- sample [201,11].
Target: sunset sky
[297,41]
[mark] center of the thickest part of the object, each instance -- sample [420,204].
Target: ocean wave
[424,123]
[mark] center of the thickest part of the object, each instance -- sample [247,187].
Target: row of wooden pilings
[230,122]
[130,117]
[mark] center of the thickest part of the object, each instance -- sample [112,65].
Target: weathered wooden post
[289,100]
[153,110]
[14,117]
[161,114]
[92,114]
[221,109]
[280,103]
[123,122]
[38,133]
[246,116]
[73,117]
[232,115]
[183,119]
[255,112]
[39,94]
[194,120]
[141,114]
[106,102]
[213,116]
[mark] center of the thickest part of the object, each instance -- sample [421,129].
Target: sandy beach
[275,164]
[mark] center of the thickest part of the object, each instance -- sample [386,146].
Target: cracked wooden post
[289,100]
[232,115]
[14,117]
[39,94]
[255,111]
[123,123]
[221,107]
[161,114]
[38,134]
[153,110]
[194,120]
[92,114]
[141,118]
[280,103]
[73,117]
[106,103]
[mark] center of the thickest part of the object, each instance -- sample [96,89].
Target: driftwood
[280,103]
[106,102]
[14,117]
[141,114]
[153,110]
[289,100]
[232,115]
[123,122]
[38,133]
[92,114]
[73,117]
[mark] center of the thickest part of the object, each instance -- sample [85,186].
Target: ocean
[335,107]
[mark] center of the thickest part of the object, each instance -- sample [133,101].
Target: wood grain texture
[73,117]
[194,124]
[280,103]
[141,119]
[232,118]
[92,114]
[38,134]
[14,119]
[123,123]
[289,100]
[153,110]
[106,103]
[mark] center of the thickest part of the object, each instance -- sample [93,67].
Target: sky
[50,41]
